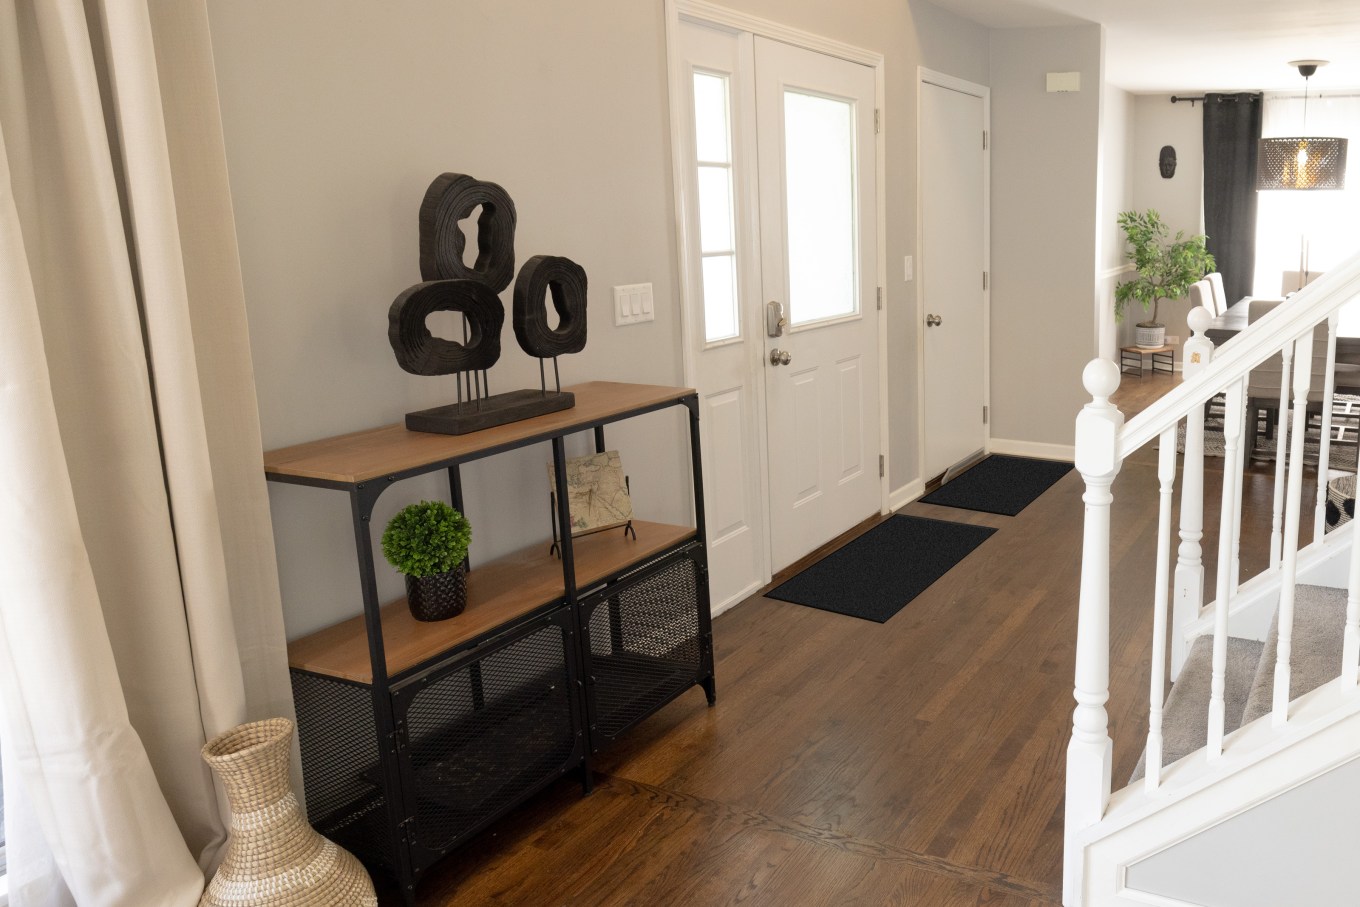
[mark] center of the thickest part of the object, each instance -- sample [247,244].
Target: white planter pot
[1150,336]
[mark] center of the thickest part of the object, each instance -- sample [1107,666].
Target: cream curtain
[139,609]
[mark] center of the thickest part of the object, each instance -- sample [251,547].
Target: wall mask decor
[1166,162]
[451,285]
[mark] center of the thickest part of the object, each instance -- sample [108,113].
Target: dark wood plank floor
[917,762]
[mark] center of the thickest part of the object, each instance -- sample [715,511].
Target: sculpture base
[500,409]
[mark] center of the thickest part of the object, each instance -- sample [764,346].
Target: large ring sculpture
[566,280]
[450,199]
[420,352]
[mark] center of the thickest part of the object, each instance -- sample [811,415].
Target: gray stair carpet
[1315,651]
[1185,715]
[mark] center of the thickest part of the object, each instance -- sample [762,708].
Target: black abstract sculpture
[451,198]
[451,286]
[421,353]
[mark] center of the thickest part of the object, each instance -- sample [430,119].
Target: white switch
[633,304]
[906,268]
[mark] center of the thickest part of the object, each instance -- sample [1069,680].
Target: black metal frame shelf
[404,763]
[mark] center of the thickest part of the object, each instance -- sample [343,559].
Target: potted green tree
[1165,270]
[428,542]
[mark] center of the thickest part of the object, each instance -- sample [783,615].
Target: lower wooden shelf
[499,592]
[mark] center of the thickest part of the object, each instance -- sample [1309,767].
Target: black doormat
[877,574]
[1000,484]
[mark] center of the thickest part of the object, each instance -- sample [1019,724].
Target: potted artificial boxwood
[1165,270]
[428,542]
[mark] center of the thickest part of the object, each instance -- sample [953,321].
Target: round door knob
[780,357]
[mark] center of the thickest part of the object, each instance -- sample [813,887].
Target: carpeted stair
[1185,715]
[1315,652]
[1319,621]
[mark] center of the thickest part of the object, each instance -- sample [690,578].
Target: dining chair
[1202,293]
[1220,297]
[1263,384]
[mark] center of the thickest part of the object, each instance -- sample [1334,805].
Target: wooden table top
[1234,321]
[376,452]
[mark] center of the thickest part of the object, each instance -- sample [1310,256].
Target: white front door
[819,243]
[780,206]
[953,180]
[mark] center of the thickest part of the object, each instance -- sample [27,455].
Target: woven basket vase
[274,858]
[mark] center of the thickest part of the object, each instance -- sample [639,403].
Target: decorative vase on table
[274,858]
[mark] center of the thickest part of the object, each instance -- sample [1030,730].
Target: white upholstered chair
[1215,280]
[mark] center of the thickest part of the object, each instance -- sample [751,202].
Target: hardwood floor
[917,762]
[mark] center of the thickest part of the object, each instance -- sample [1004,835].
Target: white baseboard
[1065,452]
[901,497]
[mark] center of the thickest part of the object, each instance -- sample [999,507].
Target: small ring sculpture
[420,352]
[566,281]
[450,199]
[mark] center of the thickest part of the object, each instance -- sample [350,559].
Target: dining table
[1233,321]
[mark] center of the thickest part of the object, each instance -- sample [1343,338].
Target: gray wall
[1117,160]
[1044,188]
[336,117]
[1179,200]
[1296,849]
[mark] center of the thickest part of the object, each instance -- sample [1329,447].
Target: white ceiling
[1197,45]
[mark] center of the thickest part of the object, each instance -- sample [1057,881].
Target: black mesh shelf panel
[486,734]
[339,747]
[644,643]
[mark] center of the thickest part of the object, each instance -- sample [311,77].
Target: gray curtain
[1232,129]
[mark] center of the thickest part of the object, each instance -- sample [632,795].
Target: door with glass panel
[815,116]
[780,241]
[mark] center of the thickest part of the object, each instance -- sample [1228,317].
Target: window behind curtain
[1329,219]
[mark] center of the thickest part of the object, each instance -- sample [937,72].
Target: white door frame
[719,16]
[985,94]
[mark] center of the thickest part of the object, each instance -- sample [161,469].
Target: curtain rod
[1232,96]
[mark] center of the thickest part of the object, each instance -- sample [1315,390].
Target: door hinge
[878,121]
[984,280]
[880,466]
[984,415]
[880,299]
[984,140]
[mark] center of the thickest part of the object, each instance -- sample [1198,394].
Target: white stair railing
[1104,441]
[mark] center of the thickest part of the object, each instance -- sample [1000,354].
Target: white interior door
[815,142]
[953,264]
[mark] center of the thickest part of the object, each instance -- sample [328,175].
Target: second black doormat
[1000,484]
[876,575]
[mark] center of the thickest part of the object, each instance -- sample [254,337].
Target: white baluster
[1350,640]
[1303,366]
[1325,440]
[1237,467]
[1166,475]
[1098,461]
[1223,588]
[1281,439]
[1199,350]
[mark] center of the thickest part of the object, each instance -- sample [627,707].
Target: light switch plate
[633,304]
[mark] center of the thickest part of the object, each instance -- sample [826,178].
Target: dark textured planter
[440,596]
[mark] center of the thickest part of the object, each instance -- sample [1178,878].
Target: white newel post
[1097,449]
[1189,582]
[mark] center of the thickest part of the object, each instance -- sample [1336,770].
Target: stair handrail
[1234,360]
[1103,441]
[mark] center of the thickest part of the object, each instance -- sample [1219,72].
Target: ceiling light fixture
[1296,162]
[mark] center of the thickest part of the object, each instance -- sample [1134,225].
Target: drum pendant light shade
[1302,162]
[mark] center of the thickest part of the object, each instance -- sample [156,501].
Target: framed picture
[597,493]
